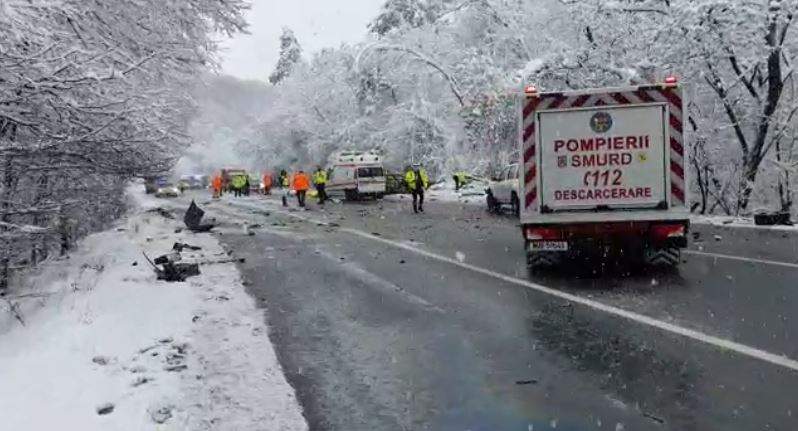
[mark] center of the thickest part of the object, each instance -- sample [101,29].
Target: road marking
[721,343]
[741,258]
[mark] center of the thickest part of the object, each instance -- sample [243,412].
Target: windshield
[370,172]
[379,215]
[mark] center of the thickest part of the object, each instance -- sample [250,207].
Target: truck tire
[351,195]
[516,205]
[493,204]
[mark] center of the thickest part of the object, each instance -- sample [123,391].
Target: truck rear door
[603,157]
[370,179]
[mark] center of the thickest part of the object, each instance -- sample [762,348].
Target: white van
[357,174]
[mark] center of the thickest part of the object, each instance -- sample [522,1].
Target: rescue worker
[217,186]
[246,185]
[239,181]
[459,180]
[320,183]
[285,183]
[267,183]
[301,186]
[417,180]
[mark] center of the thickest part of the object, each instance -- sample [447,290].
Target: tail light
[661,232]
[542,233]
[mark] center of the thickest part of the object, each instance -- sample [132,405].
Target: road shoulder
[98,343]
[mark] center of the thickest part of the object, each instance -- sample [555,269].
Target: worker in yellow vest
[417,180]
[320,183]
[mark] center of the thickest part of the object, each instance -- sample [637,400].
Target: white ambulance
[356,175]
[604,171]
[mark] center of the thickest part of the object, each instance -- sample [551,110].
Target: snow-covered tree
[439,80]
[92,94]
[290,55]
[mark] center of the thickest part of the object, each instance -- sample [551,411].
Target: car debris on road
[193,219]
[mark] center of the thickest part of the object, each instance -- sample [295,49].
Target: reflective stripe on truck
[669,97]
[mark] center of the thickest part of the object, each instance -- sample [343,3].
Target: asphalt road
[386,320]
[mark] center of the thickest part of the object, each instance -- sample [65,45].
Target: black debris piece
[105,409]
[526,382]
[162,212]
[179,271]
[171,270]
[179,247]
[193,219]
[772,219]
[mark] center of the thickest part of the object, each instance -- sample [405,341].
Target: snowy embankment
[737,222]
[473,193]
[95,342]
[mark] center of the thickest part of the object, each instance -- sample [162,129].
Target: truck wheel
[493,205]
[350,195]
[516,204]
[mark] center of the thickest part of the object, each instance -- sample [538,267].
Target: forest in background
[436,81]
[92,95]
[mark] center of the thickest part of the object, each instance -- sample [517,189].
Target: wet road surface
[377,330]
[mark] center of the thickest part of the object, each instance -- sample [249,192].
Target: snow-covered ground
[473,193]
[105,346]
[736,222]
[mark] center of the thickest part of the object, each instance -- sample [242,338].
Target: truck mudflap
[668,256]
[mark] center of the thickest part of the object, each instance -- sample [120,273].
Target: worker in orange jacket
[217,186]
[267,183]
[301,186]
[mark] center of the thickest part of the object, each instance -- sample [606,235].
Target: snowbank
[736,222]
[473,193]
[102,335]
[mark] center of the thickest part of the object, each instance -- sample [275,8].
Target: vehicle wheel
[493,205]
[516,204]
[350,195]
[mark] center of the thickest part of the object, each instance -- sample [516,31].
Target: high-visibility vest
[301,182]
[320,177]
[239,181]
[410,179]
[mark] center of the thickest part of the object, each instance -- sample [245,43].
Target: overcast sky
[317,24]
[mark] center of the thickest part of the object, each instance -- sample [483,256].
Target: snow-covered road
[105,346]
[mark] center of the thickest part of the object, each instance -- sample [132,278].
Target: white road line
[723,344]
[741,258]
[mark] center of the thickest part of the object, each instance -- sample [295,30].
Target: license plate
[548,245]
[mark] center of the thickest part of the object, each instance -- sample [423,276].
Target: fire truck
[603,172]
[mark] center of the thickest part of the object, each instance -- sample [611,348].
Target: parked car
[167,190]
[503,190]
